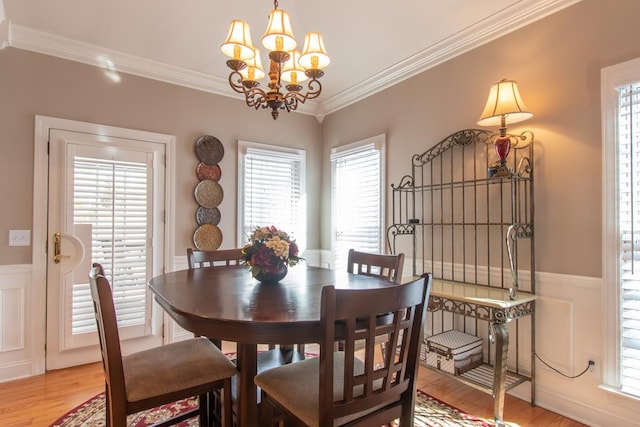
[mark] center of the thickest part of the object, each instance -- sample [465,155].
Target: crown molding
[498,25]
[116,61]
[86,53]
[507,20]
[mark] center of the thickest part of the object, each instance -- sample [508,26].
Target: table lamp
[504,105]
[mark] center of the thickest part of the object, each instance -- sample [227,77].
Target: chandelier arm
[255,97]
[291,102]
[314,88]
[236,85]
[303,97]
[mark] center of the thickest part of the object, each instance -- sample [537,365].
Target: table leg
[247,398]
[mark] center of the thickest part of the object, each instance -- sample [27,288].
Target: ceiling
[372,44]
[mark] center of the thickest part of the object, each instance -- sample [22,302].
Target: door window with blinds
[112,209]
[357,172]
[272,190]
[621,148]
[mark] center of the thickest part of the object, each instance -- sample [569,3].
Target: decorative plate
[207,237]
[205,171]
[209,149]
[208,193]
[207,216]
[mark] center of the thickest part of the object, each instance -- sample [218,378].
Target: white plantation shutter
[113,197]
[629,225]
[357,199]
[273,190]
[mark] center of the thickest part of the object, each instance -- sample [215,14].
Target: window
[357,198]
[621,228]
[272,190]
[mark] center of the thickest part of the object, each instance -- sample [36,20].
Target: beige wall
[33,84]
[557,62]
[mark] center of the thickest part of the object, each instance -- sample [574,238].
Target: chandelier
[285,64]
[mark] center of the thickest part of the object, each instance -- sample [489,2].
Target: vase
[272,277]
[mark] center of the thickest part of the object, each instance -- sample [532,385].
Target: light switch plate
[19,237]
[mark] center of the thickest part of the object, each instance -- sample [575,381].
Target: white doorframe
[43,125]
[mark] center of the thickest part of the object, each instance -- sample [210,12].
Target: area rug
[430,412]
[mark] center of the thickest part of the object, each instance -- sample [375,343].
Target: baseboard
[15,371]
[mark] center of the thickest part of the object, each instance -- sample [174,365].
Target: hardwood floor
[40,400]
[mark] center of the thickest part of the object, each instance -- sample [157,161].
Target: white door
[106,203]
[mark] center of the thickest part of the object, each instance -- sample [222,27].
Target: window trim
[245,147]
[612,78]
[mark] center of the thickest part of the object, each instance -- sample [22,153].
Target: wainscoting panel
[12,303]
[15,285]
[555,343]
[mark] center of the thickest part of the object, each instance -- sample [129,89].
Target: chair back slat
[378,265]
[218,258]
[394,313]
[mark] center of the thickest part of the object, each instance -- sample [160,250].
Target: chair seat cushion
[183,364]
[301,397]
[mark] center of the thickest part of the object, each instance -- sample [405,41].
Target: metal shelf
[474,232]
[481,378]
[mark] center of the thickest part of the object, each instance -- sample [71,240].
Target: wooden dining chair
[345,387]
[217,258]
[160,375]
[221,258]
[379,265]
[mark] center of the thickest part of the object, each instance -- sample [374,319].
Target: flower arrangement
[268,250]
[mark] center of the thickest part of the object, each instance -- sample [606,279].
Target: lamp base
[499,170]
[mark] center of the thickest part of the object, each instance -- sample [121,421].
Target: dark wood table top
[228,304]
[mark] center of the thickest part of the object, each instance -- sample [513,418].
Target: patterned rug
[430,412]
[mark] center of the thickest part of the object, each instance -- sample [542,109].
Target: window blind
[629,226]
[273,192]
[113,197]
[357,202]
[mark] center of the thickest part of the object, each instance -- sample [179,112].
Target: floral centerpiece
[269,253]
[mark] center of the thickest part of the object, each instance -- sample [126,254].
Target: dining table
[229,304]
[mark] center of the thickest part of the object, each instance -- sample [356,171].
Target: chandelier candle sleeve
[285,64]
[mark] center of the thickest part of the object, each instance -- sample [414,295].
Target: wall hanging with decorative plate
[208,193]
[209,149]
[205,171]
[207,237]
[207,216]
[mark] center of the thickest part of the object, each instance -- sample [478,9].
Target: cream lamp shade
[504,103]
[279,36]
[292,72]
[238,43]
[254,70]
[314,56]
